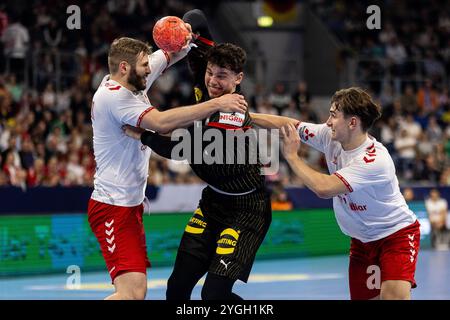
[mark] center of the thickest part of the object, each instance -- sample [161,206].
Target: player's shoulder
[311,131]
[111,87]
[110,91]
[375,156]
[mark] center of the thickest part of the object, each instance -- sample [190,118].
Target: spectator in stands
[387,34]
[36,173]
[14,88]
[437,209]
[15,174]
[408,194]
[52,34]
[411,126]
[408,100]
[279,198]
[15,40]
[444,102]
[424,146]
[55,173]
[279,97]
[427,97]
[405,145]
[445,177]
[396,55]
[3,179]
[433,130]
[302,96]
[264,106]
[75,171]
[291,111]
[27,154]
[49,96]
[387,96]
[433,169]
[434,69]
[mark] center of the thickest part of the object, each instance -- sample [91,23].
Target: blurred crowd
[48,77]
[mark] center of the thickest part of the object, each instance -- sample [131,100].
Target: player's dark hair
[227,55]
[125,49]
[355,101]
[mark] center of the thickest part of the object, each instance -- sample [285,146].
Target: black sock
[185,275]
[219,288]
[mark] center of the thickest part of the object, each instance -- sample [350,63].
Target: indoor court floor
[315,278]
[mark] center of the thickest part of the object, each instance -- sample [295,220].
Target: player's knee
[137,292]
[140,292]
[395,295]
[395,290]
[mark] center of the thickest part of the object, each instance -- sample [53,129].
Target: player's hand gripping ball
[169,34]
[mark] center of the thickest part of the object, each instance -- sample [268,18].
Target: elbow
[323,193]
[157,123]
[163,128]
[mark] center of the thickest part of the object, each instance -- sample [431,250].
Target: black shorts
[225,232]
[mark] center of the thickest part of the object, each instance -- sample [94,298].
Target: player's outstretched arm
[270,121]
[203,41]
[323,185]
[169,120]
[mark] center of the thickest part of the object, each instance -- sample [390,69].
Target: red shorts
[390,258]
[121,235]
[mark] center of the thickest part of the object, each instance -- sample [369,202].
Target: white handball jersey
[121,162]
[374,207]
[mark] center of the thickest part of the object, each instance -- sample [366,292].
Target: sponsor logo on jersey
[225,264]
[357,207]
[198,94]
[227,241]
[196,224]
[305,134]
[234,119]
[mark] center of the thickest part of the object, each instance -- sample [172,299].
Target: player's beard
[135,80]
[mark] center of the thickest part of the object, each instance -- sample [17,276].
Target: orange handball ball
[169,33]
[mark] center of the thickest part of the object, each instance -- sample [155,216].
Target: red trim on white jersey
[142,116]
[349,187]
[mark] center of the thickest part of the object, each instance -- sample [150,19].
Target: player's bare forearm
[169,120]
[324,185]
[174,57]
[270,121]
